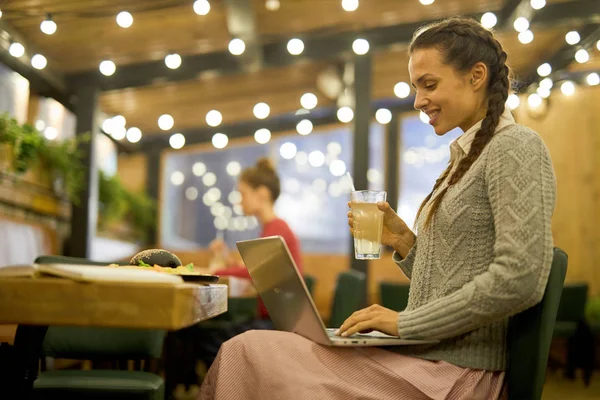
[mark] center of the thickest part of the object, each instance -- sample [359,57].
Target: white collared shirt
[464,141]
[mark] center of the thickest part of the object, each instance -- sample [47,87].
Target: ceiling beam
[317,47]
[241,24]
[506,16]
[47,82]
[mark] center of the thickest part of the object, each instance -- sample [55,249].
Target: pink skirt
[282,365]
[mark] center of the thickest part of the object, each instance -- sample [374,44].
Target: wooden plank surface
[55,301]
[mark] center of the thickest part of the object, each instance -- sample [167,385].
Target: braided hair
[463,43]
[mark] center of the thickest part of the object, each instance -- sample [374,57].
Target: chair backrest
[86,343]
[530,336]
[572,302]
[349,296]
[309,280]
[393,295]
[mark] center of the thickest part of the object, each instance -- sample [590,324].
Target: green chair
[393,295]
[99,344]
[309,280]
[530,335]
[571,310]
[350,295]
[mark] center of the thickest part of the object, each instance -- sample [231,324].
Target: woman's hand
[395,230]
[368,319]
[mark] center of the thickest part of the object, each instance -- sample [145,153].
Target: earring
[472,81]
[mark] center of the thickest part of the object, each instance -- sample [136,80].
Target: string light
[546,83]
[272,5]
[567,88]
[582,56]
[537,4]
[489,20]
[177,141]
[426,2]
[572,37]
[345,114]
[48,26]
[513,101]
[544,70]
[360,46]
[526,37]
[201,7]
[383,116]
[134,135]
[543,92]
[220,140]
[261,110]
[237,46]
[107,68]
[295,46]
[124,19]
[262,136]
[214,118]
[350,5]
[521,24]
[308,101]
[165,122]
[16,49]
[173,61]
[38,61]
[304,127]
[593,79]
[534,100]
[402,90]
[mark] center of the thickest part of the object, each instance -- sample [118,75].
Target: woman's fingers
[355,318]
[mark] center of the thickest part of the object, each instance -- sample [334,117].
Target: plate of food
[164,261]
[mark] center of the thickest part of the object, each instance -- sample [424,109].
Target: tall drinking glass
[368,223]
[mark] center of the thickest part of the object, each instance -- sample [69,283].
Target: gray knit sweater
[485,256]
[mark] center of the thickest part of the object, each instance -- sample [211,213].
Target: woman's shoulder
[515,136]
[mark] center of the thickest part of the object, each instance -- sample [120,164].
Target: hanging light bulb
[48,26]
[513,101]
[107,67]
[526,37]
[572,37]
[124,19]
[201,7]
[489,20]
[295,46]
[593,79]
[582,56]
[568,88]
[16,49]
[173,61]
[544,70]
[38,61]
[521,24]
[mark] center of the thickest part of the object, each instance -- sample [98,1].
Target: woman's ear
[478,76]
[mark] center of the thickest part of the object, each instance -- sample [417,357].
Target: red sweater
[277,227]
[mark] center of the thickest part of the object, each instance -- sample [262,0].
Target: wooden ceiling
[281,88]
[88,33]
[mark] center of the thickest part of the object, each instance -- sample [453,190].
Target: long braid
[498,88]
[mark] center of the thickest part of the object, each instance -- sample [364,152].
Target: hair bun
[265,164]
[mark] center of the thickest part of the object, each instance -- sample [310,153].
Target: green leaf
[190,266]
[143,264]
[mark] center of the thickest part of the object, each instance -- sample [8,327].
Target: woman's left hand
[368,319]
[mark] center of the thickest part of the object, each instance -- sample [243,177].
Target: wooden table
[36,303]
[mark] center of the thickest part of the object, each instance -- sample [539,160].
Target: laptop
[290,306]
